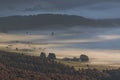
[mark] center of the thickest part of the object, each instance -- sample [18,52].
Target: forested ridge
[54,21]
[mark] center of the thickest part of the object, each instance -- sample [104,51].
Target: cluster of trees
[51,56]
[15,66]
[82,58]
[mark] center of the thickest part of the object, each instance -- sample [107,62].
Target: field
[77,65]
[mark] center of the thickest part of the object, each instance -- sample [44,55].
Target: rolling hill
[54,21]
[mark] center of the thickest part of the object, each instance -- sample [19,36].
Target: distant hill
[47,21]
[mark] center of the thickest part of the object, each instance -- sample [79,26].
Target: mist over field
[101,44]
[67,28]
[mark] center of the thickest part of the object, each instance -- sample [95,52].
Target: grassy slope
[16,66]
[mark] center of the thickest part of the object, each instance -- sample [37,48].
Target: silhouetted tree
[84,58]
[52,56]
[43,55]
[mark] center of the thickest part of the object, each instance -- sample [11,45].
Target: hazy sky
[86,8]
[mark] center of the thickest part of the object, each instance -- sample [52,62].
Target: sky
[96,9]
